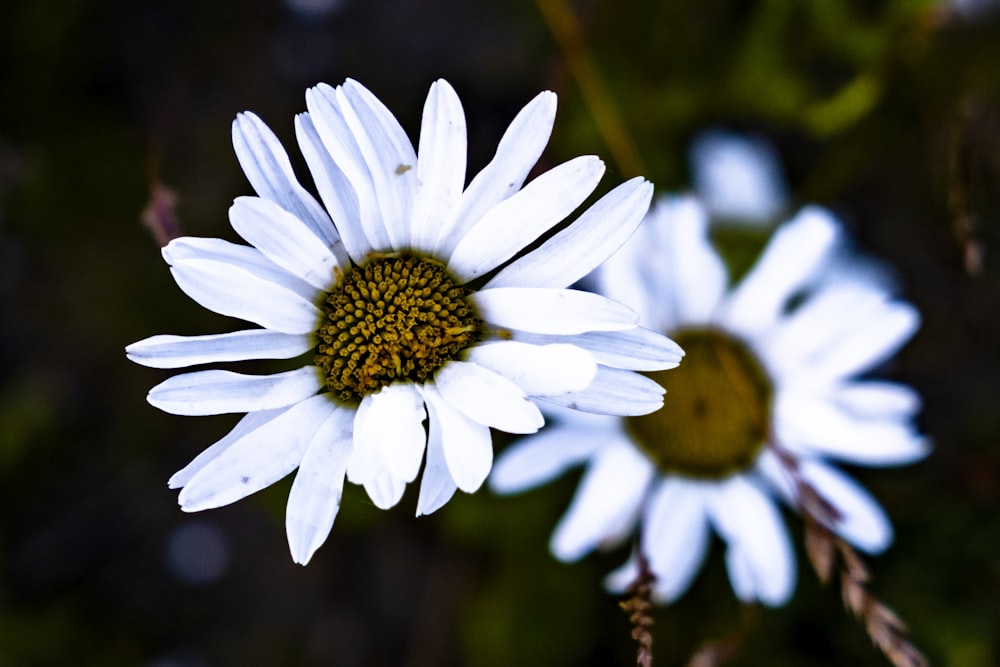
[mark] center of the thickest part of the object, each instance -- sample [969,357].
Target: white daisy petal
[620,579]
[514,223]
[389,155]
[440,163]
[166,351]
[385,490]
[285,240]
[241,289]
[391,423]
[539,458]
[258,459]
[215,392]
[876,399]
[335,189]
[861,520]
[269,171]
[791,259]
[468,446]
[436,485]
[539,370]
[518,151]
[871,343]
[812,425]
[552,311]
[675,535]
[487,398]
[314,499]
[762,555]
[251,422]
[636,349]
[575,251]
[614,392]
[606,502]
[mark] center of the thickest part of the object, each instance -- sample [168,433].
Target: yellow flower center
[392,318]
[717,412]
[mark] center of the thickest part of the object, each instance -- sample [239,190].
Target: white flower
[767,394]
[401,288]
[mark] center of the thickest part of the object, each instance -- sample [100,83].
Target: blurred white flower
[768,393]
[738,178]
[401,290]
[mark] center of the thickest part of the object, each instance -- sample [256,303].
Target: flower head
[411,297]
[767,395]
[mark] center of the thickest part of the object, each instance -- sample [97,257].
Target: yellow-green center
[717,411]
[392,318]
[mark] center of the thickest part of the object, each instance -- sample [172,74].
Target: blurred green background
[886,111]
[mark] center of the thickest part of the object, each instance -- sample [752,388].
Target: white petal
[385,490]
[622,577]
[269,171]
[539,370]
[519,149]
[166,351]
[578,249]
[258,459]
[538,458]
[861,520]
[614,392]
[606,502]
[487,398]
[791,259]
[440,164]
[314,499]
[285,240]
[250,422]
[739,177]
[865,346]
[436,483]
[876,399]
[514,223]
[215,392]
[389,155]
[391,423]
[813,425]
[552,310]
[238,283]
[675,535]
[468,446]
[335,188]
[635,349]
[759,555]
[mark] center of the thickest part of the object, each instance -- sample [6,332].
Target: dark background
[886,111]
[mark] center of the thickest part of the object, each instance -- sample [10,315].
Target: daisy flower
[406,291]
[768,394]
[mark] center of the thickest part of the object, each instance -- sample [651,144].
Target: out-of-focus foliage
[887,111]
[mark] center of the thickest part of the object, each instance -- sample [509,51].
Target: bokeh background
[887,111]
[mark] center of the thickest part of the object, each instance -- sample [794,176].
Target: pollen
[717,414]
[390,319]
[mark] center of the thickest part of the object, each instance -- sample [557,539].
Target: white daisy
[401,289]
[769,392]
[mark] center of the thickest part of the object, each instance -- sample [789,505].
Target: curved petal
[436,484]
[614,392]
[876,399]
[552,310]
[166,351]
[269,171]
[519,149]
[793,256]
[314,499]
[636,349]
[487,398]
[675,535]
[861,520]
[285,240]
[391,423]
[514,223]
[258,459]
[468,446]
[385,490]
[539,370]
[575,251]
[215,392]
[440,164]
[335,189]
[606,502]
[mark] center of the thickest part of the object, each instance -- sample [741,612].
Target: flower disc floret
[392,318]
